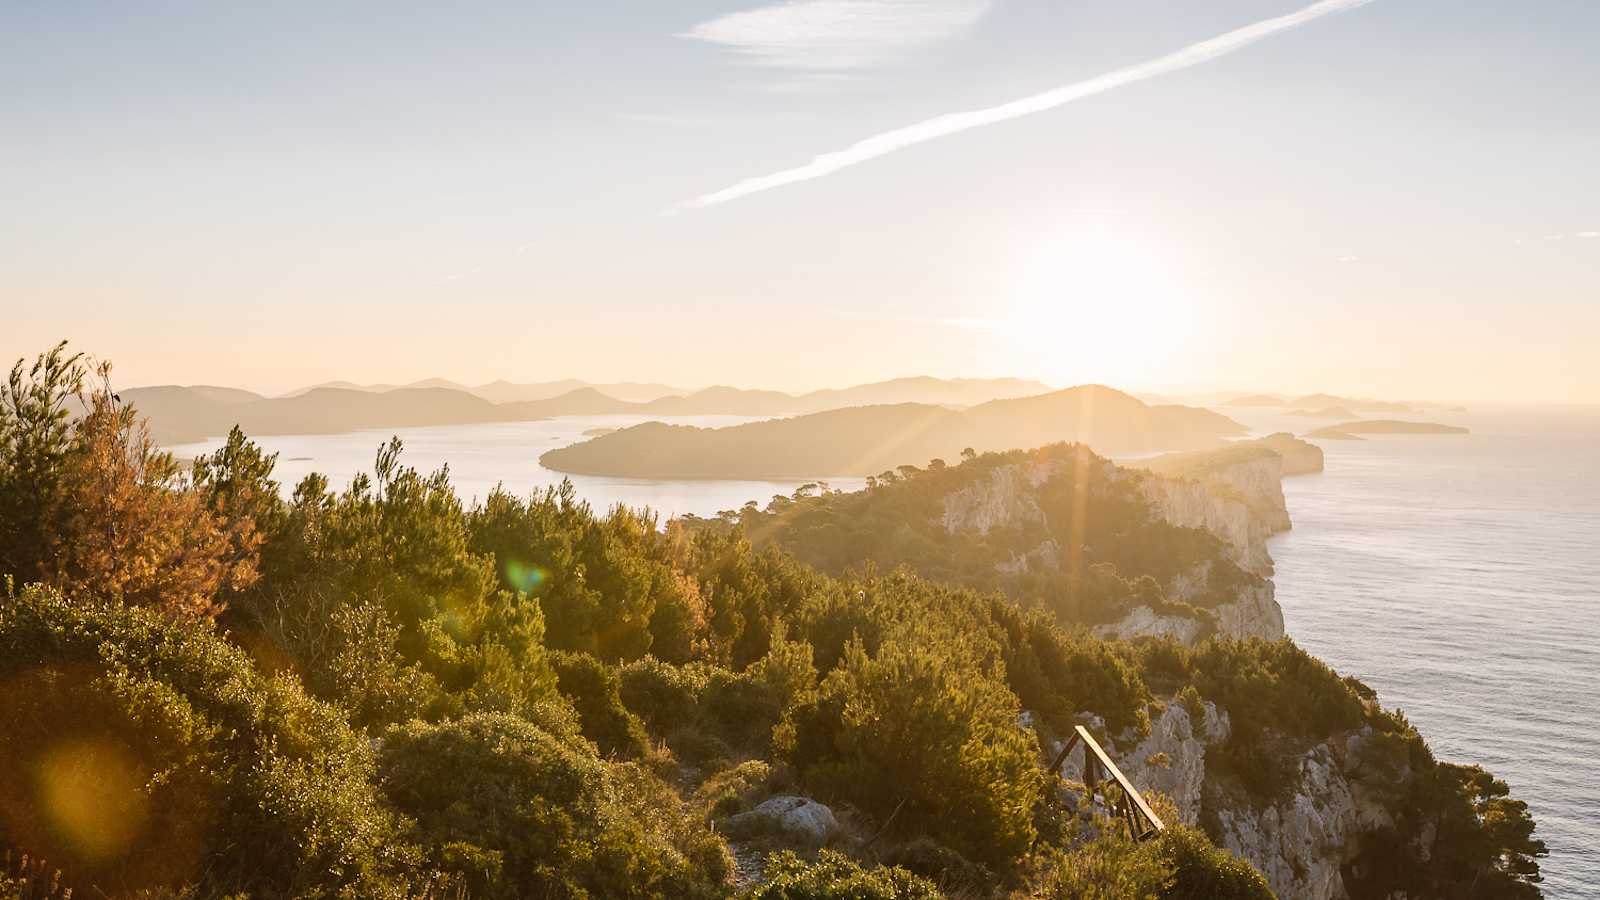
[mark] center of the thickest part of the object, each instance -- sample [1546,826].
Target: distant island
[871,439]
[1350,430]
[1348,406]
[180,415]
[1328,412]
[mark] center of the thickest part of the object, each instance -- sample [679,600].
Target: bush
[167,759]
[521,811]
[734,790]
[920,730]
[1110,867]
[835,877]
[944,867]
[741,708]
[1202,871]
[1274,693]
[591,686]
[661,694]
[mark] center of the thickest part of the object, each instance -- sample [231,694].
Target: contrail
[901,138]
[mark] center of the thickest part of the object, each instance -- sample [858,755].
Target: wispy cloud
[1588,234]
[942,126]
[833,35]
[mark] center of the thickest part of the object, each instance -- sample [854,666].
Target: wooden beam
[1132,793]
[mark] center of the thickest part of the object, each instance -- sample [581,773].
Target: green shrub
[835,877]
[663,695]
[167,759]
[591,686]
[944,867]
[1111,867]
[1202,871]
[1277,697]
[525,812]
[733,790]
[741,708]
[921,730]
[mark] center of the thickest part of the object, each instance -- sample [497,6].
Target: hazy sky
[1397,199]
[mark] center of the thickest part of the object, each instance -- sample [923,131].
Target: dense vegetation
[379,692]
[1074,534]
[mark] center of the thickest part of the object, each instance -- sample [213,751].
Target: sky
[1391,198]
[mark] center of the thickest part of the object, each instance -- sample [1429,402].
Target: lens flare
[92,793]
[525,577]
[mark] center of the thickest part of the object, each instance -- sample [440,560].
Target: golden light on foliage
[91,792]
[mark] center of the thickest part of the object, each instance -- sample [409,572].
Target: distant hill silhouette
[185,414]
[1317,401]
[924,389]
[630,391]
[869,439]
[1258,400]
[182,415]
[1351,406]
[1328,412]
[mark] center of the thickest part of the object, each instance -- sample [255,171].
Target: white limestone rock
[798,819]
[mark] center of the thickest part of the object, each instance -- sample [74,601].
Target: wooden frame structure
[1130,807]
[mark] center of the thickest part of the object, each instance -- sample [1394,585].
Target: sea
[483,457]
[1458,575]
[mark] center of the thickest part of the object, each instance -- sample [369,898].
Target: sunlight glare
[1095,305]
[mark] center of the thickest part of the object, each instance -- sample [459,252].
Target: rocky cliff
[1302,842]
[1238,498]
[1253,612]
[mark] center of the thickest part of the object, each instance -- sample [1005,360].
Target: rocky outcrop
[1144,621]
[1004,498]
[1241,502]
[799,820]
[1237,496]
[1301,842]
[1253,612]
[1172,760]
[1299,457]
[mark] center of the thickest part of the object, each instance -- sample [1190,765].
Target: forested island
[1350,430]
[373,690]
[869,439]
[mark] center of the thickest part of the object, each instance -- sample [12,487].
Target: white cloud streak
[837,34]
[953,123]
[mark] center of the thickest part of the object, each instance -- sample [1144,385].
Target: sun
[1094,304]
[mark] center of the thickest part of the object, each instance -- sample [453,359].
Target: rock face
[1301,842]
[800,820]
[1236,494]
[1241,503]
[1005,498]
[1172,760]
[1299,457]
[1254,612]
[1143,621]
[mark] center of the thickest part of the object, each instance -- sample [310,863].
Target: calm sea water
[1459,576]
[507,453]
